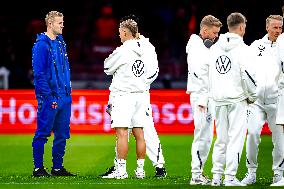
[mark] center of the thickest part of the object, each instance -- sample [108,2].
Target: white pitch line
[92,183]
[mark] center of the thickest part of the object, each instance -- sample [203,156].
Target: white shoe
[277,178]
[233,182]
[200,180]
[279,183]
[139,173]
[250,178]
[121,175]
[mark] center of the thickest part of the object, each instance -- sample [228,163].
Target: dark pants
[56,121]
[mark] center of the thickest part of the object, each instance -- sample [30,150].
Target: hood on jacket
[194,39]
[229,41]
[139,46]
[44,37]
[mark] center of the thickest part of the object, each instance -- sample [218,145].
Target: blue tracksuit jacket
[52,84]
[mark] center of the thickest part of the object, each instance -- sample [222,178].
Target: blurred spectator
[192,20]
[34,27]
[178,36]
[105,30]
[106,25]
[92,26]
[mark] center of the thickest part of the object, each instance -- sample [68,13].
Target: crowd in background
[91,32]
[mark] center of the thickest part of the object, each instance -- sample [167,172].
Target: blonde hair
[273,17]
[210,21]
[131,25]
[235,19]
[51,15]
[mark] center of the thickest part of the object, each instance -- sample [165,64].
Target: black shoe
[109,171]
[61,172]
[160,172]
[40,172]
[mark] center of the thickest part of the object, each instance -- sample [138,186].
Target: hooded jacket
[229,65]
[196,57]
[51,67]
[267,70]
[280,59]
[133,65]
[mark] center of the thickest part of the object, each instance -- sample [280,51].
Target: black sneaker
[160,172]
[108,172]
[61,172]
[40,172]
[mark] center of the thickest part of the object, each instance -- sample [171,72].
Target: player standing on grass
[264,109]
[134,67]
[53,93]
[232,88]
[153,148]
[280,101]
[197,49]
[153,145]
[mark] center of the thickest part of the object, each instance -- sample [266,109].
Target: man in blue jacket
[53,93]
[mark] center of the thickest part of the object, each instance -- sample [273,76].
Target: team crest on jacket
[261,48]
[223,64]
[138,68]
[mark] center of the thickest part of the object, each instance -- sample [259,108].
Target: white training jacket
[229,65]
[196,56]
[133,65]
[280,55]
[267,70]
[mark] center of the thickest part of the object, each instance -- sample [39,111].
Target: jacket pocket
[39,104]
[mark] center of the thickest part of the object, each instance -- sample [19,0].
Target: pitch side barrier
[171,111]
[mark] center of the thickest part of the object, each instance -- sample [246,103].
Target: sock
[140,163]
[121,165]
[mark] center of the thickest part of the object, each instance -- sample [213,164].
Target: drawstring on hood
[141,45]
[228,41]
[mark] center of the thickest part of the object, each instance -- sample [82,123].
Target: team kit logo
[138,68]
[261,48]
[223,64]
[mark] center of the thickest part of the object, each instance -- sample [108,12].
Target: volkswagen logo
[138,68]
[223,64]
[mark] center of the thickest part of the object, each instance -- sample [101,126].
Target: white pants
[258,114]
[153,146]
[280,108]
[203,136]
[231,126]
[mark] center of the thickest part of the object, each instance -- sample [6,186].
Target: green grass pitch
[90,155]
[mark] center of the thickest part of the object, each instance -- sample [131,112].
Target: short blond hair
[235,19]
[51,15]
[210,21]
[273,17]
[131,25]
